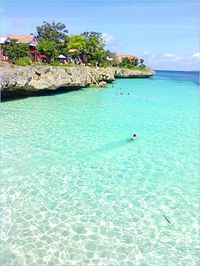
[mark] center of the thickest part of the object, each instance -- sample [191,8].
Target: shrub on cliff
[144,68]
[56,63]
[16,50]
[129,63]
[24,61]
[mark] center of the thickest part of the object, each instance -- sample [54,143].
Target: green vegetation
[129,63]
[15,50]
[48,48]
[24,61]
[133,63]
[56,63]
[86,48]
[143,67]
[76,42]
[52,32]
[52,39]
[94,51]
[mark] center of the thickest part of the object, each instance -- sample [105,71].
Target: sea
[77,190]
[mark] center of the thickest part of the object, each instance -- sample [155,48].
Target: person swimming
[134,136]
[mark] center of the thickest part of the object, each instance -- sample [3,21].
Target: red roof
[121,56]
[42,56]
[23,38]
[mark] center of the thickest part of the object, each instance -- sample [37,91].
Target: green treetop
[52,31]
[52,39]
[96,54]
[48,48]
[78,43]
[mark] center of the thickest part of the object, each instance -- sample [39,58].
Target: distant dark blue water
[179,76]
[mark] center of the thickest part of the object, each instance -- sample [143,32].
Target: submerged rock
[102,84]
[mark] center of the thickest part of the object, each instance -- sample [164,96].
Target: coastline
[36,80]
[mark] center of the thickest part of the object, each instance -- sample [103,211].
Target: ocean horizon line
[173,70]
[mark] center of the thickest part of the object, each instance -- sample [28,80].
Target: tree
[98,57]
[129,62]
[78,43]
[94,49]
[141,61]
[52,32]
[52,39]
[63,46]
[16,50]
[142,65]
[112,58]
[48,48]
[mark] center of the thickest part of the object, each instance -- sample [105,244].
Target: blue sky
[163,32]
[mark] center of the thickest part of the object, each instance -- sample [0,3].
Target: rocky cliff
[35,79]
[128,73]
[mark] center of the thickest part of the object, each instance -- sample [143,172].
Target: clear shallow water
[77,191]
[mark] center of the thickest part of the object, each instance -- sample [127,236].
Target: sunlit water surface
[77,191]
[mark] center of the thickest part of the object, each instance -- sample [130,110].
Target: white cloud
[109,39]
[171,60]
[173,57]
[169,55]
[196,55]
[145,53]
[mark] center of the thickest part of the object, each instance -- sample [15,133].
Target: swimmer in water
[134,136]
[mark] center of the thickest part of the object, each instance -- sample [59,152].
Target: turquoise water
[77,191]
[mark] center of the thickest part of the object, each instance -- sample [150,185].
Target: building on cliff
[3,42]
[32,41]
[120,57]
[34,54]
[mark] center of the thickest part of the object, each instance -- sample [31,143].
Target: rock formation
[35,79]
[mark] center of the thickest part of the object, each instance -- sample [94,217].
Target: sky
[165,33]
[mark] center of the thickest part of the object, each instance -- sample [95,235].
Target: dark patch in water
[166,219]
[106,148]
[22,94]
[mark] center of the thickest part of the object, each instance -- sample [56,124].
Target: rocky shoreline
[35,80]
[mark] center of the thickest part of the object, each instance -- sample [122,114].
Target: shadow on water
[23,94]
[106,148]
